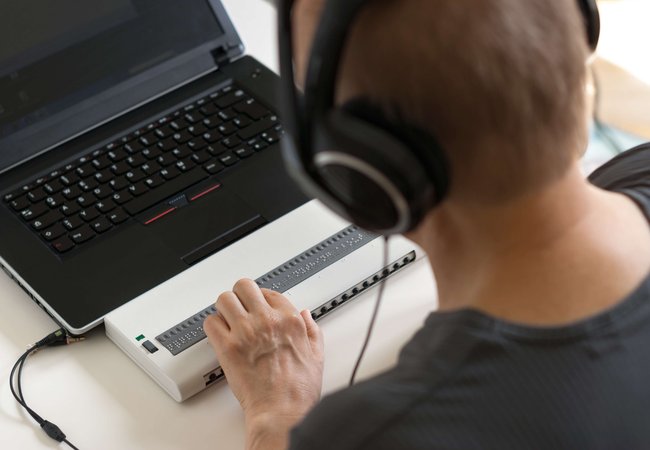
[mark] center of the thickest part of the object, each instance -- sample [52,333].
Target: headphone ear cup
[591,17]
[419,143]
[377,179]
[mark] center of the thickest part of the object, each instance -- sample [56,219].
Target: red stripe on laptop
[207,191]
[159,216]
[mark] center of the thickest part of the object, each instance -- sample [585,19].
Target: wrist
[269,431]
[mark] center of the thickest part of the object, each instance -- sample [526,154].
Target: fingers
[250,295]
[279,302]
[230,308]
[314,332]
[216,329]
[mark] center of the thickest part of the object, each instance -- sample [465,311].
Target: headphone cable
[373,319]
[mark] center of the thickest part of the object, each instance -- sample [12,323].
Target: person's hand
[271,354]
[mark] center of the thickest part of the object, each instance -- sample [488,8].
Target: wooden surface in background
[625,100]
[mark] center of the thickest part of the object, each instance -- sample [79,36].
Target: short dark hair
[499,82]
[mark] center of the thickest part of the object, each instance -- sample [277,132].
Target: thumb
[314,332]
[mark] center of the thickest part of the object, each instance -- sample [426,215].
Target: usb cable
[59,337]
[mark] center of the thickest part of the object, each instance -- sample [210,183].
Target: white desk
[102,400]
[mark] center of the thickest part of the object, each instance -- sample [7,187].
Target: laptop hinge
[223,54]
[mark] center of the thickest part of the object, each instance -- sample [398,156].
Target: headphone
[382,174]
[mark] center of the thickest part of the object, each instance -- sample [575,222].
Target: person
[541,337]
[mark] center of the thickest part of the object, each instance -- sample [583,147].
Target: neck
[549,257]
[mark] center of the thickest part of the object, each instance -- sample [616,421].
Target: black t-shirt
[467,380]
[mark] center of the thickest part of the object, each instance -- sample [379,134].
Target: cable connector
[59,337]
[53,431]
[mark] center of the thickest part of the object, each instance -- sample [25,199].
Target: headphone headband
[378,166]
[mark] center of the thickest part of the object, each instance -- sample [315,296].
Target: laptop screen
[58,55]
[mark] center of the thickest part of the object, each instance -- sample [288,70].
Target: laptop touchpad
[207,225]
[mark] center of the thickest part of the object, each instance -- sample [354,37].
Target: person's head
[498,82]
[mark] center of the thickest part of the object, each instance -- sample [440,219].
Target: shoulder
[628,170]
[373,411]
[629,174]
[349,418]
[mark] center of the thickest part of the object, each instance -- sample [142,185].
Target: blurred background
[622,76]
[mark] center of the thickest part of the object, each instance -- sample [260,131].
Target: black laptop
[135,141]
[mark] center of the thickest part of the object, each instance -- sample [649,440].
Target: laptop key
[243,152]
[185,165]
[88,184]
[46,220]
[122,197]
[225,101]
[213,167]
[34,211]
[270,136]
[242,121]
[101,162]
[63,244]
[212,136]
[135,175]
[252,109]
[259,146]
[154,181]
[119,183]
[150,167]
[20,203]
[37,195]
[228,159]
[231,142]
[83,234]
[86,200]
[227,128]
[53,232]
[170,172]
[85,170]
[118,216]
[69,209]
[101,225]
[136,160]
[72,223]
[166,160]
[103,191]
[212,122]
[69,178]
[181,152]
[55,201]
[138,189]
[89,214]
[12,195]
[166,190]
[71,192]
[182,137]
[133,147]
[104,176]
[53,186]
[117,155]
[258,127]
[120,168]
[201,157]
[105,205]
[151,153]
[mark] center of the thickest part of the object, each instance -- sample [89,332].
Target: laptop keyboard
[103,189]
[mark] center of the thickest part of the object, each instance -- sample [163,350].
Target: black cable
[380,294]
[603,130]
[59,337]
